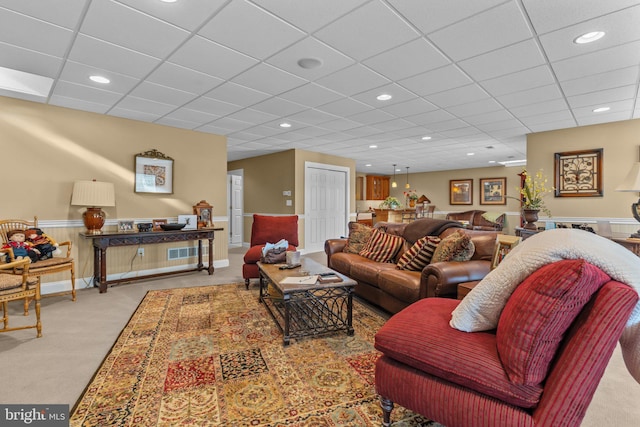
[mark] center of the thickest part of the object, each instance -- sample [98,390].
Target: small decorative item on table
[191,221]
[204,213]
[157,223]
[125,226]
[144,227]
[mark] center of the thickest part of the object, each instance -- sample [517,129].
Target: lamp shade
[632,180]
[93,194]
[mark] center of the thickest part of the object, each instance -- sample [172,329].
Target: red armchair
[268,229]
[485,378]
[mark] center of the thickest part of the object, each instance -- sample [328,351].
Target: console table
[106,240]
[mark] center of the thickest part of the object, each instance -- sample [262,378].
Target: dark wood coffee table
[305,310]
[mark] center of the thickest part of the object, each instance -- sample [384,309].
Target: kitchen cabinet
[377,187]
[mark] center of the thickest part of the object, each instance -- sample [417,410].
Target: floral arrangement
[411,195]
[390,202]
[533,191]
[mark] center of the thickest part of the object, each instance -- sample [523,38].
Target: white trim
[72,223]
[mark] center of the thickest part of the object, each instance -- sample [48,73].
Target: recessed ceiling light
[309,63]
[168,1]
[100,79]
[589,37]
[373,146]
[285,125]
[426,138]
[471,154]
[601,109]
[492,161]
[384,97]
[368,165]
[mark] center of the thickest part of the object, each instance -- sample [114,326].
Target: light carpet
[212,356]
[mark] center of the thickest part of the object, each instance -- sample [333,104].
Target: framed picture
[461,192]
[204,212]
[493,191]
[578,173]
[156,224]
[125,226]
[190,220]
[154,173]
[504,244]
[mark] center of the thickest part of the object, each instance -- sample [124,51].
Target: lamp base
[93,220]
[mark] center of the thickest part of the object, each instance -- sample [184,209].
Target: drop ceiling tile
[415,57]
[602,81]
[134,30]
[353,80]
[540,108]
[368,40]
[162,94]
[313,117]
[531,96]
[249,29]
[427,119]
[233,93]
[344,107]
[519,81]
[441,79]
[331,59]
[29,61]
[609,118]
[603,97]
[486,105]
[448,125]
[510,59]
[79,73]
[197,54]
[409,108]
[371,117]
[176,123]
[311,95]
[227,124]
[278,106]
[549,15]
[34,34]
[254,117]
[144,105]
[268,79]
[623,56]
[185,14]
[434,14]
[393,125]
[77,91]
[64,13]
[341,125]
[620,27]
[194,116]
[457,96]
[398,93]
[78,104]
[99,54]
[494,116]
[490,30]
[617,107]
[184,79]
[212,106]
[141,116]
[556,116]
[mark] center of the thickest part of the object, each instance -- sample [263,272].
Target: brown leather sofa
[476,220]
[392,289]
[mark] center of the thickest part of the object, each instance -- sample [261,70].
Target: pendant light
[407,184]
[394,184]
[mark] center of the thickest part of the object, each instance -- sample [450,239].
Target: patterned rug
[212,356]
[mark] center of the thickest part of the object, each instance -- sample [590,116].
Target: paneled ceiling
[475,76]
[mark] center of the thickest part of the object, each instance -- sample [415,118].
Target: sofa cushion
[427,343]
[538,314]
[382,247]
[359,235]
[368,271]
[402,284]
[268,228]
[455,247]
[419,255]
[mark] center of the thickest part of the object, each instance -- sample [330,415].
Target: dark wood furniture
[301,310]
[377,187]
[103,241]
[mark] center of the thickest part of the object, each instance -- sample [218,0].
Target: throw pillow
[382,247]
[359,235]
[419,255]
[538,314]
[455,247]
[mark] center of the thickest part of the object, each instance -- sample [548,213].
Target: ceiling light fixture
[368,165]
[373,146]
[285,125]
[99,79]
[426,138]
[601,109]
[394,184]
[309,63]
[589,37]
[407,184]
[384,97]
[168,1]
[471,154]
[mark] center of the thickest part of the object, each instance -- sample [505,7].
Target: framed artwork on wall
[578,173]
[154,173]
[461,192]
[493,191]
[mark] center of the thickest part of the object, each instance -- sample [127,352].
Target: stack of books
[329,278]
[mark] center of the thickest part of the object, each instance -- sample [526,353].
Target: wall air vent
[183,253]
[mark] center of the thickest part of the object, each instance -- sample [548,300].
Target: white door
[236,210]
[326,201]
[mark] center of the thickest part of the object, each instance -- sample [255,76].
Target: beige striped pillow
[382,247]
[419,255]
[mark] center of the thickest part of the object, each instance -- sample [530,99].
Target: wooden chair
[52,265]
[15,287]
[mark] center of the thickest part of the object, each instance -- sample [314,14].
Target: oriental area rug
[213,356]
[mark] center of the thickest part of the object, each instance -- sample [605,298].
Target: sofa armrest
[441,279]
[332,246]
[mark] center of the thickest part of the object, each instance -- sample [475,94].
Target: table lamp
[631,183]
[94,195]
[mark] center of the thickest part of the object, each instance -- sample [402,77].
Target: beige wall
[266,177]
[51,147]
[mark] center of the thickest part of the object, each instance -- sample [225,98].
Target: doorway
[326,204]
[235,198]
